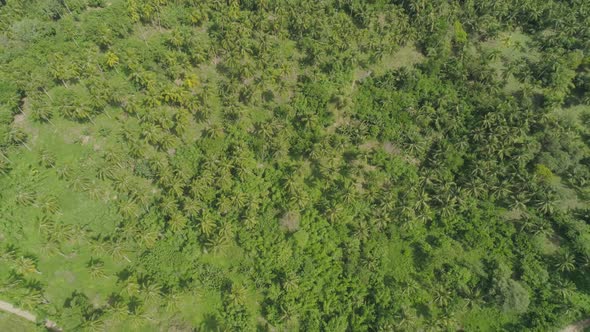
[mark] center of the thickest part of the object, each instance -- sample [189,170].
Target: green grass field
[12,323]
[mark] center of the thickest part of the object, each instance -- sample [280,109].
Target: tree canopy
[336,165]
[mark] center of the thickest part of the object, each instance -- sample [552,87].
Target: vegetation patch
[283,166]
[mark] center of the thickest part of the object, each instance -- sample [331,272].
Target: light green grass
[512,46]
[406,56]
[12,323]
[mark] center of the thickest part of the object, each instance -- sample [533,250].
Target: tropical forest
[294,165]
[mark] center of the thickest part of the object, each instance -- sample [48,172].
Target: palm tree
[103,171]
[79,182]
[8,253]
[213,131]
[96,267]
[172,302]
[565,262]
[25,197]
[94,324]
[207,224]
[99,247]
[47,159]
[132,287]
[362,231]
[149,238]
[152,133]
[406,319]
[168,141]
[41,113]
[442,296]
[519,201]
[4,164]
[151,291]
[158,162]
[139,320]
[64,172]
[60,232]
[129,209]
[300,198]
[217,243]
[168,205]
[542,226]
[17,135]
[118,251]
[30,299]
[96,192]
[181,122]
[118,309]
[48,204]
[447,321]
[226,231]
[177,222]
[191,207]
[112,59]
[546,204]
[565,289]
[333,212]
[45,224]
[422,202]
[25,266]
[472,297]
[225,204]
[238,294]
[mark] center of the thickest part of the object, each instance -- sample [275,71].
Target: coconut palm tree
[519,201]
[565,289]
[226,231]
[118,250]
[25,197]
[25,266]
[96,267]
[217,243]
[181,122]
[4,164]
[546,204]
[207,223]
[49,204]
[442,296]
[213,131]
[565,262]
[168,205]
[46,158]
[17,135]
[177,222]
[151,292]
[472,297]
[168,141]
[129,209]
[79,182]
[31,299]
[41,113]
[149,239]
[64,172]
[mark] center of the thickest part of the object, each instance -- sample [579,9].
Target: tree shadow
[210,323]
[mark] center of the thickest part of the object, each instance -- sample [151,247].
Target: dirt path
[5,306]
[577,326]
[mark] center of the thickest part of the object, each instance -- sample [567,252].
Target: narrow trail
[5,306]
[577,326]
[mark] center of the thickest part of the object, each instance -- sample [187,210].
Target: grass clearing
[12,323]
[509,48]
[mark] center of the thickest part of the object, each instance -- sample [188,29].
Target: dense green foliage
[335,165]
